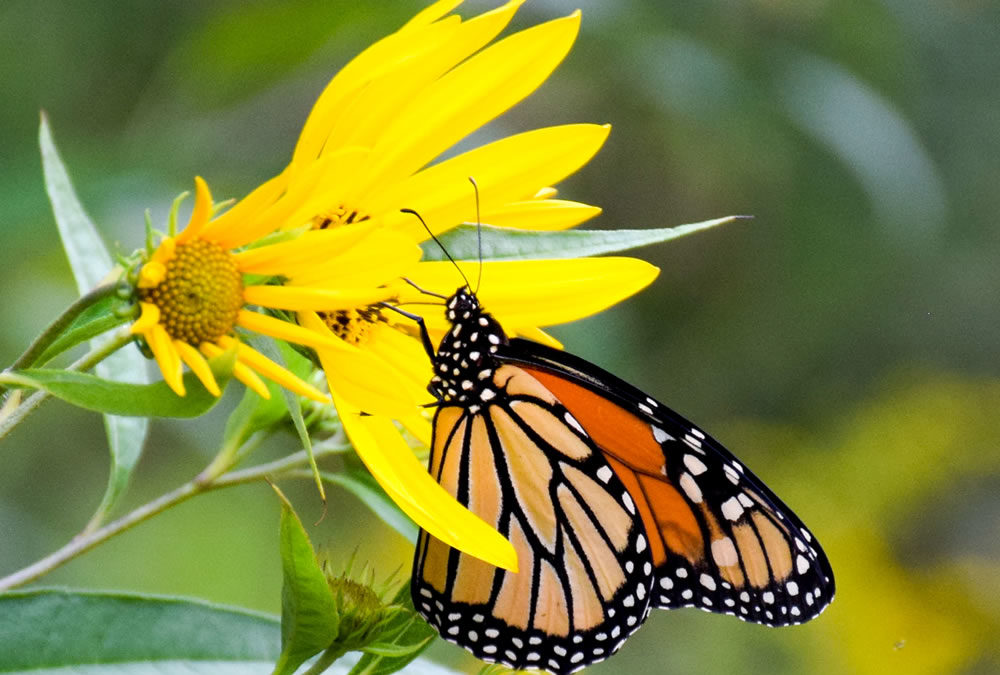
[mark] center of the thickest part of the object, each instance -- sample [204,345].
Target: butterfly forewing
[585,565]
[720,539]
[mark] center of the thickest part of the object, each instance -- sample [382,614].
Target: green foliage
[91,264]
[309,619]
[119,398]
[506,243]
[148,634]
[96,320]
[406,635]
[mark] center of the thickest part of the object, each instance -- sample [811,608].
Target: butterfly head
[464,363]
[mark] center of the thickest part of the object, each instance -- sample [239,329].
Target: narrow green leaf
[88,257]
[91,262]
[507,243]
[413,636]
[309,619]
[95,320]
[358,481]
[64,629]
[120,398]
[281,354]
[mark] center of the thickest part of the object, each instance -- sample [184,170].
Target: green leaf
[412,635]
[356,479]
[65,629]
[270,348]
[119,398]
[93,321]
[309,618]
[507,243]
[91,263]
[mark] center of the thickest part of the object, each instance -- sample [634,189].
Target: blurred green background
[842,343]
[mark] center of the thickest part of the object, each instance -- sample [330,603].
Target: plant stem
[11,417]
[325,660]
[55,329]
[86,541]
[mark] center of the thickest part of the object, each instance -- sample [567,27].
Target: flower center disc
[352,325]
[200,295]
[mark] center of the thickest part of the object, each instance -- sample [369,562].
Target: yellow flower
[522,295]
[411,96]
[382,119]
[194,294]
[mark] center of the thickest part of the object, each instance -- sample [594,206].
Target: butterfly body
[614,503]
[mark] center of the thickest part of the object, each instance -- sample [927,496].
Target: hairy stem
[56,328]
[11,416]
[86,541]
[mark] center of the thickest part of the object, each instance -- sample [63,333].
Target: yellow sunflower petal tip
[201,213]
[151,274]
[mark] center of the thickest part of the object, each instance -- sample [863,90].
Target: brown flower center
[352,325]
[200,295]
[337,216]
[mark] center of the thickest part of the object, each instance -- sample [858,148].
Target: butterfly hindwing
[523,464]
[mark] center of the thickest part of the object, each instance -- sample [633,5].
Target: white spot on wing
[731,509]
[690,487]
[661,436]
[604,473]
[570,420]
[694,465]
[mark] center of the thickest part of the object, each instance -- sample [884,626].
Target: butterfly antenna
[424,291]
[438,242]
[479,233]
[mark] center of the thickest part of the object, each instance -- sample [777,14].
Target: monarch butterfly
[614,503]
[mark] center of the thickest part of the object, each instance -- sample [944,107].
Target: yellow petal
[376,259]
[431,14]
[283,330]
[507,170]
[312,248]
[541,214]
[149,317]
[166,357]
[373,62]
[419,426]
[200,214]
[406,354]
[406,481]
[240,371]
[198,365]
[360,377]
[537,334]
[371,110]
[227,230]
[164,252]
[539,292]
[271,370]
[296,298]
[151,274]
[472,94]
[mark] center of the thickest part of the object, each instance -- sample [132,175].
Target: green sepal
[404,637]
